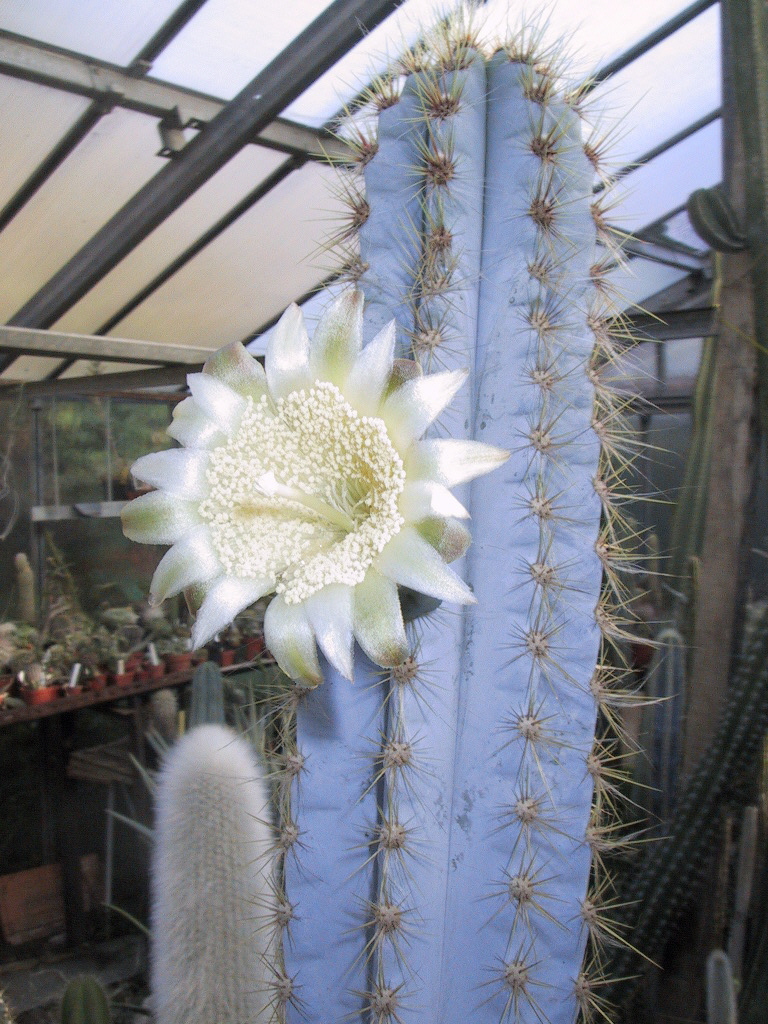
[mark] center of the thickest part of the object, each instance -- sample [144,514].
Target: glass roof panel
[34,119]
[110,30]
[206,206]
[680,229]
[639,280]
[250,273]
[665,183]
[29,368]
[229,41]
[665,90]
[105,170]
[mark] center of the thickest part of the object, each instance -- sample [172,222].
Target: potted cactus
[177,650]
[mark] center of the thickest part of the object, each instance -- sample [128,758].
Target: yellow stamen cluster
[305,492]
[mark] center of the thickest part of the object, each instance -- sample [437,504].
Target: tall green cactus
[438,819]
[207,706]
[666,881]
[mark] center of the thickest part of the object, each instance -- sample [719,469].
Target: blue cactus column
[417,757]
[439,866]
[330,836]
[522,787]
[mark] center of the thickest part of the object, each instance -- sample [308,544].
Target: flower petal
[424,498]
[371,373]
[289,637]
[219,402]
[237,368]
[410,560]
[378,620]
[158,518]
[177,471]
[337,339]
[447,536]
[287,357]
[192,559]
[226,599]
[453,462]
[330,614]
[410,410]
[192,428]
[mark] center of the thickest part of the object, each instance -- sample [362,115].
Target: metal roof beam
[111,85]
[168,31]
[300,64]
[673,325]
[648,42]
[101,383]
[25,341]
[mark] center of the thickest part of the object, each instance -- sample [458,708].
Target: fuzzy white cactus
[213,916]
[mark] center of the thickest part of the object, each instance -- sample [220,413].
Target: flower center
[305,492]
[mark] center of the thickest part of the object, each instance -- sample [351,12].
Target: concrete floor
[38,982]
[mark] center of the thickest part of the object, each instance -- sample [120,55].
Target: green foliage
[88,438]
[664,883]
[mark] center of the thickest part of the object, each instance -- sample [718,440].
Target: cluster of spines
[557,378]
[287,763]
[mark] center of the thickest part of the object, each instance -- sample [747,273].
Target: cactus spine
[85,1002]
[447,806]
[662,722]
[212,915]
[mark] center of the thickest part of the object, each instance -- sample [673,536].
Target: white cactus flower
[309,480]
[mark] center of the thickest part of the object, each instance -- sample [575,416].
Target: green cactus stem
[207,707]
[664,884]
[85,1002]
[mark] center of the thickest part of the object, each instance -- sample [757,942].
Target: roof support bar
[315,50]
[648,42]
[40,64]
[142,62]
[29,341]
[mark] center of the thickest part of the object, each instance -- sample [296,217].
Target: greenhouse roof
[165,189]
